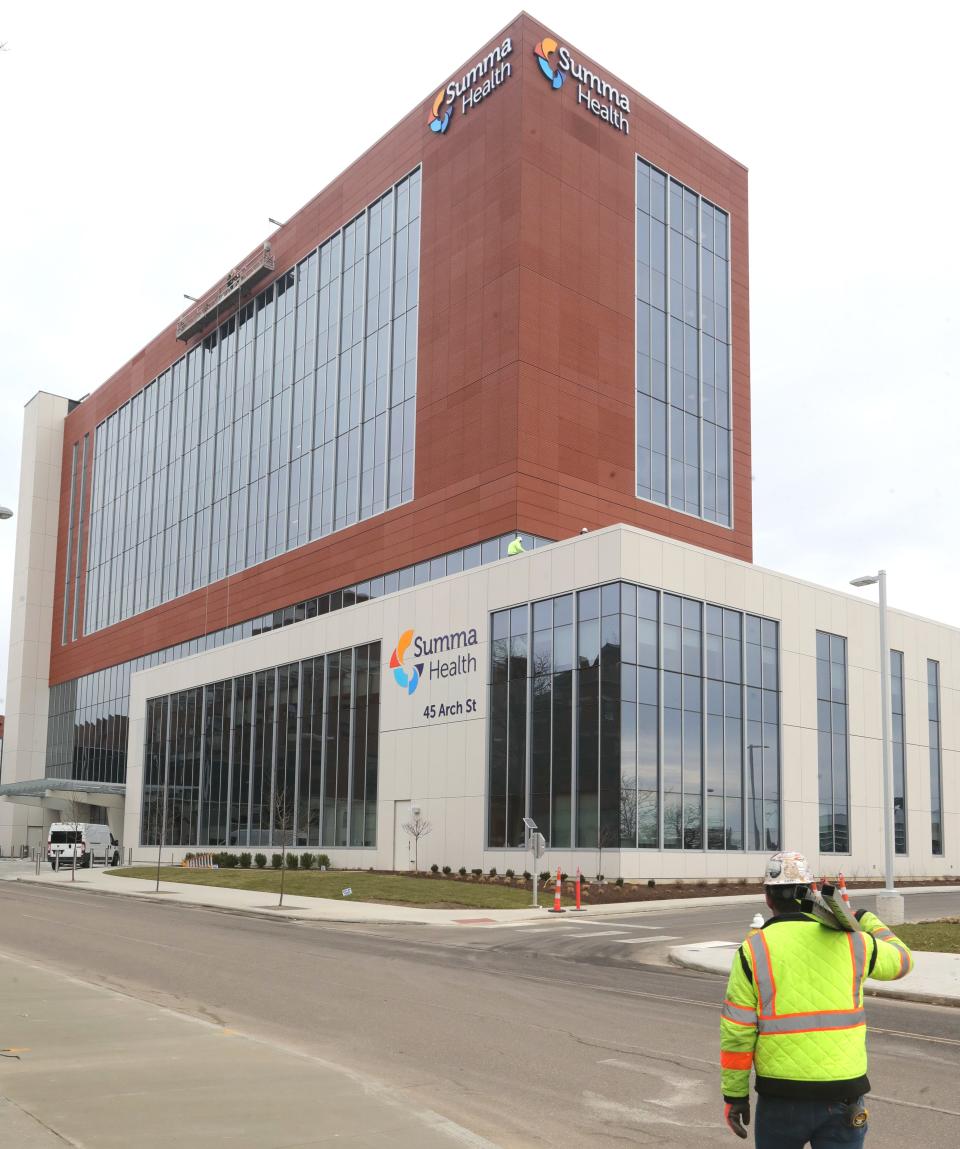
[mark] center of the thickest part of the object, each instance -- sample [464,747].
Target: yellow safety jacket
[794,1007]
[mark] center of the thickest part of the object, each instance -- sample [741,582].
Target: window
[832,744]
[288,755]
[936,771]
[683,408]
[899,753]
[623,681]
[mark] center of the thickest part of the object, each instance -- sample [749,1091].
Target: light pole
[889,902]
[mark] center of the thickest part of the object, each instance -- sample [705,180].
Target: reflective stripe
[763,973]
[738,1014]
[858,955]
[904,959]
[731,1060]
[882,932]
[812,1022]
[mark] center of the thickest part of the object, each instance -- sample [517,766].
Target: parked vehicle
[88,840]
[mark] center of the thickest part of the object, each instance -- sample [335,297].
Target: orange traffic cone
[842,887]
[556,896]
[578,909]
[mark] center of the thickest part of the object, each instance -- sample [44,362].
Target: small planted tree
[283,824]
[418,827]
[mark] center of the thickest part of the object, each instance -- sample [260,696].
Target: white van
[91,842]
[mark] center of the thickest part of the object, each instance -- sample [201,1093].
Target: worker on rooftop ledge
[794,1009]
[516,547]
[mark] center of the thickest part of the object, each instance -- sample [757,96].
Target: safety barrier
[199,862]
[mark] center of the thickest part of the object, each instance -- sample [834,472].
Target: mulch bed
[604,893]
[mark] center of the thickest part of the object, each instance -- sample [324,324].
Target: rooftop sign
[598,95]
[473,87]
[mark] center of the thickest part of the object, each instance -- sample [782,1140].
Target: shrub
[619,881]
[462,871]
[447,870]
[493,871]
[245,860]
[260,860]
[189,857]
[293,861]
[527,876]
[227,861]
[477,873]
[544,875]
[651,883]
[276,861]
[744,882]
[509,873]
[307,861]
[323,862]
[599,877]
[702,883]
[563,877]
[434,869]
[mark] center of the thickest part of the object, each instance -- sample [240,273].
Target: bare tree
[283,824]
[71,812]
[418,827]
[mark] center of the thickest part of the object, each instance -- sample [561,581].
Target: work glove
[737,1115]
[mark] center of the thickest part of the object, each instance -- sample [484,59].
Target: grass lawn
[395,889]
[941,937]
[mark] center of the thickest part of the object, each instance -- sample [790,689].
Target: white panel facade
[31,621]
[440,764]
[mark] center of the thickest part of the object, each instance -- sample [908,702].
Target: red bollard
[556,896]
[578,909]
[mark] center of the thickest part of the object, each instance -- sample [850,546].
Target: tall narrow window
[899,753]
[682,348]
[833,775]
[936,771]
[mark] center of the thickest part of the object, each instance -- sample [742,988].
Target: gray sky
[144,147]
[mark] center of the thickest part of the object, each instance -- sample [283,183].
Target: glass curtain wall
[899,753]
[293,419]
[285,756]
[936,771]
[626,717]
[832,743]
[683,348]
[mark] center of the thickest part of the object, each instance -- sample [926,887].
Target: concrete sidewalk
[345,911]
[935,978]
[86,1066]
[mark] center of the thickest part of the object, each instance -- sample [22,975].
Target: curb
[282,914]
[684,962]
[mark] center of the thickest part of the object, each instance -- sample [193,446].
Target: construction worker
[794,1012]
[516,547]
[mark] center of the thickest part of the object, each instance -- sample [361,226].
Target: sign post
[538,844]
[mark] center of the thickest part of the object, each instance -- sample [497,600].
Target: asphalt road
[541,1036]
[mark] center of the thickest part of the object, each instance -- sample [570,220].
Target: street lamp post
[889,902]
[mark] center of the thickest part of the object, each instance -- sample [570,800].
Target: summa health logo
[473,87]
[550,68]
[407,680]
[597,95]
[451,656]
[440,121]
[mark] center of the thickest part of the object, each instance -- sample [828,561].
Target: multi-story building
[263,583]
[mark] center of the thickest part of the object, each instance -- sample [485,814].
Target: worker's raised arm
[892,959]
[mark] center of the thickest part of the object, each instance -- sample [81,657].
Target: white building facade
[659,710]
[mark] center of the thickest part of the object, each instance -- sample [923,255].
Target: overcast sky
[144,147]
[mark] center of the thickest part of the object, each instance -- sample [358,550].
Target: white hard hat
[787,869]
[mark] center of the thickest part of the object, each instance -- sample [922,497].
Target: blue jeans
[786,1124]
